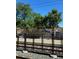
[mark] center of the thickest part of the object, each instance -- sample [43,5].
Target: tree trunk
[53,40]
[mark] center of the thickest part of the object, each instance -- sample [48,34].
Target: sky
[44,6]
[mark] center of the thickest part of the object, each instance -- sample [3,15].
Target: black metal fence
[41,48]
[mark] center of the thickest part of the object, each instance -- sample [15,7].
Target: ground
[36,56]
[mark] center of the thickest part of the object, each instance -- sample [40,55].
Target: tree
[37,20]
[54,18]
[23,11]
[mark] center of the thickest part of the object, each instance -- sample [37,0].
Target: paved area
[34,56]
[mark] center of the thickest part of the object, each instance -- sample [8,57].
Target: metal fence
[41,48]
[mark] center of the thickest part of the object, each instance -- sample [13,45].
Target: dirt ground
[38,56]
[46,41]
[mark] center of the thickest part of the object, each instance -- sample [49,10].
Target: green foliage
[54,18]
[37,20]
[23,8]
[27,19]
[23,11]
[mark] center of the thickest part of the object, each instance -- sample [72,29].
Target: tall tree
[23,12]
[54,18]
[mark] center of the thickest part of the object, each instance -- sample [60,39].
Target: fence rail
[40,47]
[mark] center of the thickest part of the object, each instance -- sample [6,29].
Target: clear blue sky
[44,6]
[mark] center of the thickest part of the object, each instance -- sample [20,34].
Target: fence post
[24,41]
[17,40]
[42,41]
[33,41]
